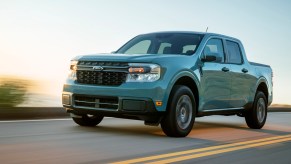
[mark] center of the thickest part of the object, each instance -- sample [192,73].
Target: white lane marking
[37,120]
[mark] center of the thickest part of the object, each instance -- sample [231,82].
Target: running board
[225,112]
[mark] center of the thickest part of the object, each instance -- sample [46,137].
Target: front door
[215,79]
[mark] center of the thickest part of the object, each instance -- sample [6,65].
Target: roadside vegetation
[13,91]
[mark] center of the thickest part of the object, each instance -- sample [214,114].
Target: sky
[39,37]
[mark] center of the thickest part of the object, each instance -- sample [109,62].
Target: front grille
[101,73]
[106,103]
[101,78]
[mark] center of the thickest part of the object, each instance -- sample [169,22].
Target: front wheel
[88,120]
[257,115]
[181,111]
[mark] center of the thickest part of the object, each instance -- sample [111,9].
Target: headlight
[73,69]
[73,65]
[139,72]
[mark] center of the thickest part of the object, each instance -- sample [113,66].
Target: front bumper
[141,98]
[107,104]
[120,107]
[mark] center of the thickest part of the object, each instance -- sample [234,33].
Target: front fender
[184,73]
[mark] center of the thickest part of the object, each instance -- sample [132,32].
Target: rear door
[239,72]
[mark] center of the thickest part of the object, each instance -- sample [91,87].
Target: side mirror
[210,57]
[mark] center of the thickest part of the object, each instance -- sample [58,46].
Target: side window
[214,46]
[141,47]
[234,53]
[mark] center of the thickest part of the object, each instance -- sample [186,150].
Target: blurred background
[38,38]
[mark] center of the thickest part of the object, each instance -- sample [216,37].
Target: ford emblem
[99,68]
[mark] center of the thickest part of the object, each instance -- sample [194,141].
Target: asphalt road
[214,139]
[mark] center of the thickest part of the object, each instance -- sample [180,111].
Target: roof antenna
[206,29]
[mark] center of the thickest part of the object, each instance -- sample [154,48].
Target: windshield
[162,43]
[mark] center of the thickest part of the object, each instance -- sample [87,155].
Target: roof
[193,32]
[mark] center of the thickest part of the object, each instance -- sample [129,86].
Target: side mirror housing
[210,57]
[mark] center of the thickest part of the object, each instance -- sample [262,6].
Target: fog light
[66,99]
[159,103]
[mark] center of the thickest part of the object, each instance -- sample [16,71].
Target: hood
[133,58]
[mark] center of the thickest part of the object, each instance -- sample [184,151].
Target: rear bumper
[270,98]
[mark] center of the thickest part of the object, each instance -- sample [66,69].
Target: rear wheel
[88,120]
[180,117]
[256,117]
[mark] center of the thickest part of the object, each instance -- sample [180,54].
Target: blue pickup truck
[169,78]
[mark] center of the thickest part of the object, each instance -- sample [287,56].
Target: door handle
[225,69]
[244,70]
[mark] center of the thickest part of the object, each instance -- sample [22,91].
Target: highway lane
[119,140]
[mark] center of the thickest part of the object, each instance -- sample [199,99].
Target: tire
[88,120]
[257,115]
[181,111]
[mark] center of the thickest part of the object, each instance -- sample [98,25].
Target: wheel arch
[262,86]
[187,79]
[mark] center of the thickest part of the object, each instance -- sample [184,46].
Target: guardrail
[24,113]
